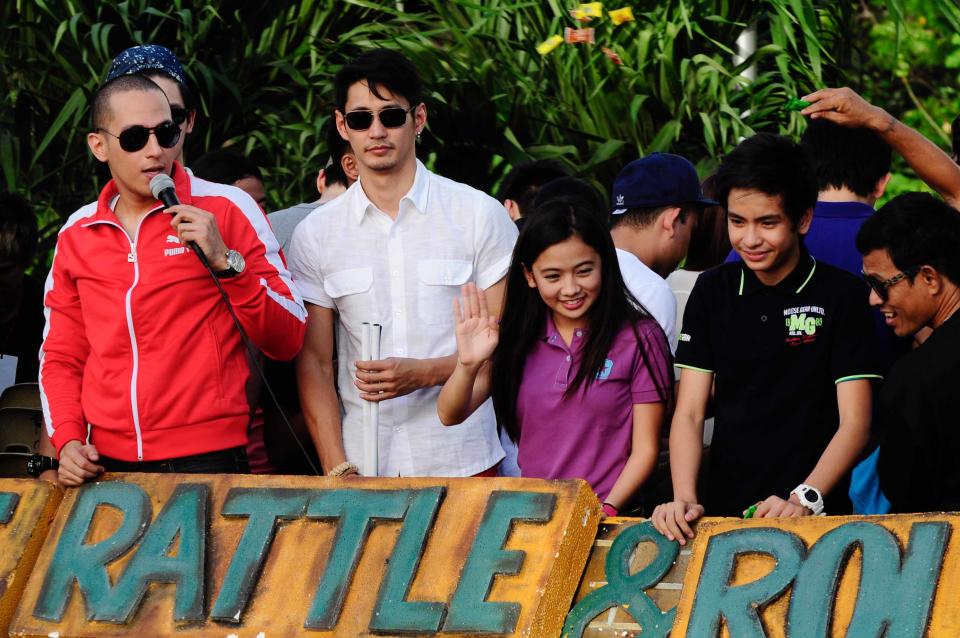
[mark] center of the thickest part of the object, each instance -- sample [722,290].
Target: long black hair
[525,314]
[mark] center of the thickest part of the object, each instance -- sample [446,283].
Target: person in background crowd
[519,188]
[394,249]
[332,181]
[229,167]
[183,413]
[159,64]
[656,200]
[578,372]
[911,261]
[932,165]
[21,313]
[788,342]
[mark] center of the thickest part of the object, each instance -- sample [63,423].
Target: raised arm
[844,107]
[477,335]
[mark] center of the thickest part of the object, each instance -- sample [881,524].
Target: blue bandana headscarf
[147,57]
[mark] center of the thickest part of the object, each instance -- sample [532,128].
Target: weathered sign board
[243,556]
[27,508]
[198,556]
[891,576]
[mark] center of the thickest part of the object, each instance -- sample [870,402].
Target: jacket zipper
[132,258]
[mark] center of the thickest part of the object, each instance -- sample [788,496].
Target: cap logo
[620,200]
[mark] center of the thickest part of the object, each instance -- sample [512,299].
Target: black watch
[38,464]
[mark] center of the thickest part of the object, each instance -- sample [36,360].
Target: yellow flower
[587,11]
[549,44]
[619,16]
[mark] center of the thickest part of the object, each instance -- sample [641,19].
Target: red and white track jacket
[139,343]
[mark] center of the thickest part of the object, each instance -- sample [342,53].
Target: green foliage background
[263,74]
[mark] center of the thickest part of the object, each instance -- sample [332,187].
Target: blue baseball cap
[147,57]
[659,179]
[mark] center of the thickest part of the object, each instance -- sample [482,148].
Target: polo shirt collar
[793,283]
[552,336]
[415,199]
[855,210]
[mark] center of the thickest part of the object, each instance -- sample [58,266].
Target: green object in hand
[750,511]
[794,104]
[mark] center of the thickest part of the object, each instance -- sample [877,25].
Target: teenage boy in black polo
[788,342]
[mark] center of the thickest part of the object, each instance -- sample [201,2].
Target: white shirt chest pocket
[354,293]
[439,281]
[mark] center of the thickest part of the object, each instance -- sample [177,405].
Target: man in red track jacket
[142,367]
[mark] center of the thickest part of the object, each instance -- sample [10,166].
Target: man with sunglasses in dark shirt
[394,249]
[142,367]
[911,261]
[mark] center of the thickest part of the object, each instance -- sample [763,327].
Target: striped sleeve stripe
[854,377]
[681,365]
[86,211]
[258,220]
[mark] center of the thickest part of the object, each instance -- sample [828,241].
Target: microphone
[163,189]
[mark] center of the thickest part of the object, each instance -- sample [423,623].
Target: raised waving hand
[477,331]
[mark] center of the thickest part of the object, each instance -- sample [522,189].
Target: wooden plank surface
[27,508]
[174,536]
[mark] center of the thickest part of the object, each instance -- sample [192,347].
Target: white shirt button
[568,357]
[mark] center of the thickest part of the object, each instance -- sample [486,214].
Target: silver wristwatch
[235,265]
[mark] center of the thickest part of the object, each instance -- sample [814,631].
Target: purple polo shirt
[586,435]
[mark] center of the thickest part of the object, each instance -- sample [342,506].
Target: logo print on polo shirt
[802,323]
[172,239]
[607,369]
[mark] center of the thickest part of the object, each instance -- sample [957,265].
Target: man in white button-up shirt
[394,249]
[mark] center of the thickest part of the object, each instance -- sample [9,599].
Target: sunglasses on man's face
[178,114]
[135,138]
[882,286]
[392,117]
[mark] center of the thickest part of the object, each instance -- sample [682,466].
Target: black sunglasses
[881,286]
[392,117]
[135,138]
[178,114]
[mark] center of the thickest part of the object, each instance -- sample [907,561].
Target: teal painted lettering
[183,520]
[393,613]
[740,605]
[894,599]
[626,589]
[263,507]
[470,611]
[354,511]
[86,563]
[8,505]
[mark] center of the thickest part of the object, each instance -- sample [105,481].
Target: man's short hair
[773,165]
[379,68]
[100,103]
[524,181]
[915,229]
[855,158]
[224,167]
[336,147]
[18,230]
[643,217]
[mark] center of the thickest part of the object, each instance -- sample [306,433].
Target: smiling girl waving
[578,371]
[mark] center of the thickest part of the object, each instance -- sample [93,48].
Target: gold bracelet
[343,469]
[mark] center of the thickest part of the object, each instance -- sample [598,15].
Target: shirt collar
[792,284]
[416,198]
[552,335]
[855,210]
